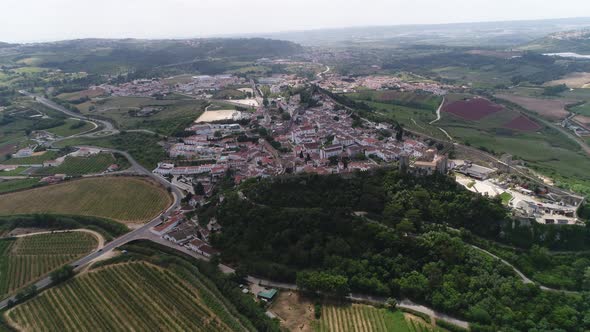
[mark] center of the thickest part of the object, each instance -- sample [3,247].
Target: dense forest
[389,234]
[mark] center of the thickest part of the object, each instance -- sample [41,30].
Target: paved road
[405,303]
[138,233]
[438,111]
[108,127]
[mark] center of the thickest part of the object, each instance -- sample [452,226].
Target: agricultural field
[473,109]
[17,184]
[364,318]
[573,80]
[522,123]
[296,313]
[168,117]
[473,77]
[91,93]
[142,146]
[124,199]
[416,100]
[122,297]
[551,109]
[26,259]
[583,109]
[37,158]
[524,138]
[71,127]
[15,172]
[229,94]
[413,111]
[80,165]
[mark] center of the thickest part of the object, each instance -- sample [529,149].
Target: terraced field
[26,259]
[133,296]
[364,318]
[81,165]
[125,199]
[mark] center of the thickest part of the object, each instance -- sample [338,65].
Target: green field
[364,318]
[123,199]
[123,297]
[143,147]
[17,184]
[39,159]
[170,115]
[26,259]
[71,127]
[414,112]
[415,100]
[15,172]
[582,109]
[80,165]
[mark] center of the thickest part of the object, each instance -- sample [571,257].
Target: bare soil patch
[552,109]
[585,120]
[295,312]
[574,80]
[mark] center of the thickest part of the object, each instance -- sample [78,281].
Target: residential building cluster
[150,87]
[188,233]
[343,84]
[324,139]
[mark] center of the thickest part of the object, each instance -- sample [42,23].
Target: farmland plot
[364,318]
[81,165]
[124,199]
[131,296]
[26,259]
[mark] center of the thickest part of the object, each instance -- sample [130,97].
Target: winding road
[144,231]
[137,168]
[108,127]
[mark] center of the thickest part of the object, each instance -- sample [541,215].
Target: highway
[139,233]
[108,127]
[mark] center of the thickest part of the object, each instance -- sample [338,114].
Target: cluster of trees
[107,228]
[554,90]
[311,234]
[23,295]
[62,274]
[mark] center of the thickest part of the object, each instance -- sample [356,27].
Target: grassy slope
[120,198]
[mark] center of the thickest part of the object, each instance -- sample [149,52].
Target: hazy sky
[42,20]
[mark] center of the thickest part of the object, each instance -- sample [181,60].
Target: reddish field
[472,109]
[523,123]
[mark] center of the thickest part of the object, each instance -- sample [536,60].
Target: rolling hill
[577,41]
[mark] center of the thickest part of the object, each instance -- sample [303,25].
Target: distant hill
[104,56]
[3,45]
[577,41]
[489,34]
